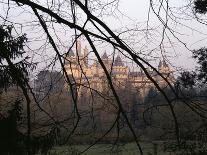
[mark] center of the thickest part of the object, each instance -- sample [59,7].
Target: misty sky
[191,32]
[134,14]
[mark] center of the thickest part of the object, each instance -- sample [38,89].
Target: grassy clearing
[108,149]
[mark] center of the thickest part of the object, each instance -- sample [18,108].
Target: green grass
[107,149]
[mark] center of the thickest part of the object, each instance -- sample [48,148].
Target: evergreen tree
[11,140]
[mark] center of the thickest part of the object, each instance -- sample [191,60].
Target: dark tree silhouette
[200,6]
[15,72]
[12,49]
[12,140]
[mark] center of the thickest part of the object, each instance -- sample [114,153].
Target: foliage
[199,76]
[11,50]
[200,6]
[49,81]
[156,97]
[11,139]
[187,79]
[201,56]
[14,70]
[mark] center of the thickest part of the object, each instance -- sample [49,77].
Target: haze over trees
[48,107]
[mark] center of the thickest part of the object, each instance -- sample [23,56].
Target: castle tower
[78,47]
[160,65]
[85,55]
[120,71]
[71,63]
[104,56]
[118,61]
[106,61]
[70,57]
[167,72]
[163,67]
[165,64]
[71,53]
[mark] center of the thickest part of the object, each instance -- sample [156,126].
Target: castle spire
[104,56]
[164,63]
[118,61]
[85,56]
[70,53]
[160,64]
[78,46]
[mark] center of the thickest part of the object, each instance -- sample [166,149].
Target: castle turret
[70,57]
[85,56]
[163,67]
[104,56]
[78,44]
[118,61]
[120,71]
[71,53]
[165,64]
[167,72]
[160,64]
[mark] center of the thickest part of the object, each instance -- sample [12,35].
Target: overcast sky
[134,13]
[191,32]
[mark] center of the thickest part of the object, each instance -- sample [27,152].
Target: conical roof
[164,64]
[71,53]
[104,56]
[160,64]
[118,61]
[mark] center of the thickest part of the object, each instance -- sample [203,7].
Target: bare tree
[83,19]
